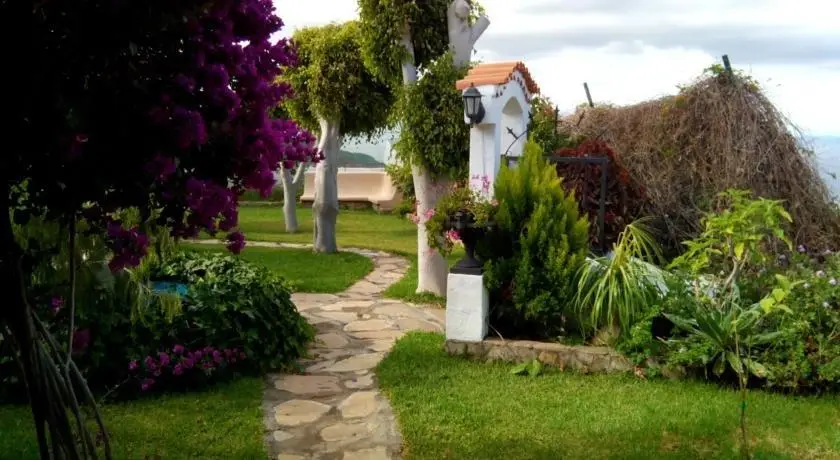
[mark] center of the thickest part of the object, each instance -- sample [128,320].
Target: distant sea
[827,149]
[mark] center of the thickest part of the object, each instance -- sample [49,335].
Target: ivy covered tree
[435,37]
[157,106]
[336,96]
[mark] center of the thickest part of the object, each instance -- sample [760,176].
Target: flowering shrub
[235,318]
[624,198]
[236,305]
[158,106]
[803,352]
[470,198]
[179,367]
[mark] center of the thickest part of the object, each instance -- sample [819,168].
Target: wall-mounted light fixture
[473,108]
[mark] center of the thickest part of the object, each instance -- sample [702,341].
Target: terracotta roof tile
[497,73]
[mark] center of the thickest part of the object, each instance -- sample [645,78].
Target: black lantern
[473,107]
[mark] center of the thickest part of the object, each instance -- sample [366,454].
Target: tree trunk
[291,184]
[325,206]
[432,268]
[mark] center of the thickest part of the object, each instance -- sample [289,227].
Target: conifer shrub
[539,242]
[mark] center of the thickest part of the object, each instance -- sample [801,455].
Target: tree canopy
[433,133]
[331,81]
[383,24]
[169,114]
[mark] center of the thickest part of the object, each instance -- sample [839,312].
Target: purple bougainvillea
[179,362]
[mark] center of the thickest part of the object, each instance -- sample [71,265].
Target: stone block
[467,308]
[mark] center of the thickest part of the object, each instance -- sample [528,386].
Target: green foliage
[615,290]
[230,304]
[806,355]
[538,246]
[433,133]
[732,330]
[400,174]
[332,82]
[234,304]
[530,368]
[542,126]
[733,237]
[460,197]
[383,23]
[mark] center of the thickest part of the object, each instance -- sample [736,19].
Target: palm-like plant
[733,331]
[614,289]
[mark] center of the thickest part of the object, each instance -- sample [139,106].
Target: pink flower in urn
[452,235]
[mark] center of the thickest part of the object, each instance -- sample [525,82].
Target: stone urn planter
[470,233]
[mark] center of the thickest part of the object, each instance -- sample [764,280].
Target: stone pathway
[334,411]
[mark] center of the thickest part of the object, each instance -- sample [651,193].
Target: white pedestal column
[467,308]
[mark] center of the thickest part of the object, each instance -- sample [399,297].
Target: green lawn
[451,408]
[222,423]
[356,228]
[305,270]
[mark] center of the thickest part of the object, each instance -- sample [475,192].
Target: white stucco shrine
[506,89]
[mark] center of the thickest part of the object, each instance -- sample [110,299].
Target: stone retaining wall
[581,358]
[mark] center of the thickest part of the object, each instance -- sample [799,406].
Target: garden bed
[582,358]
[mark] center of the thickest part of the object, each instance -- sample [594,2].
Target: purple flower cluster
[235,242]
[179,361]
[232,85]
[127,245]
[214,136]
[56,304]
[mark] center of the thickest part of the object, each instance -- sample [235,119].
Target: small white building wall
[505,106]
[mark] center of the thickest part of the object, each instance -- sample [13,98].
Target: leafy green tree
[400,37]
[336,96]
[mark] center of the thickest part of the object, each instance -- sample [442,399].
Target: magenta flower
[56,304]
[217,357]
[164,359]
[235,242]
[146,384]
[178,369]
[81,339]
[132,366]
[178,349]
[188,363]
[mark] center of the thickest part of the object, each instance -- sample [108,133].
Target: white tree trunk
[325,205]
[291,184]
[432,268]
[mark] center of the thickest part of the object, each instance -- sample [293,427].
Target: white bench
[368,186]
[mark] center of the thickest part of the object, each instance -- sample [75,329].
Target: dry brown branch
[719,133]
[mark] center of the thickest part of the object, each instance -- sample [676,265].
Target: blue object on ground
[170,287]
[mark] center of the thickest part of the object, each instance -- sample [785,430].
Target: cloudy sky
[632,50]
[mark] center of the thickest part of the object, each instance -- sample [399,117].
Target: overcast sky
[632,50]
